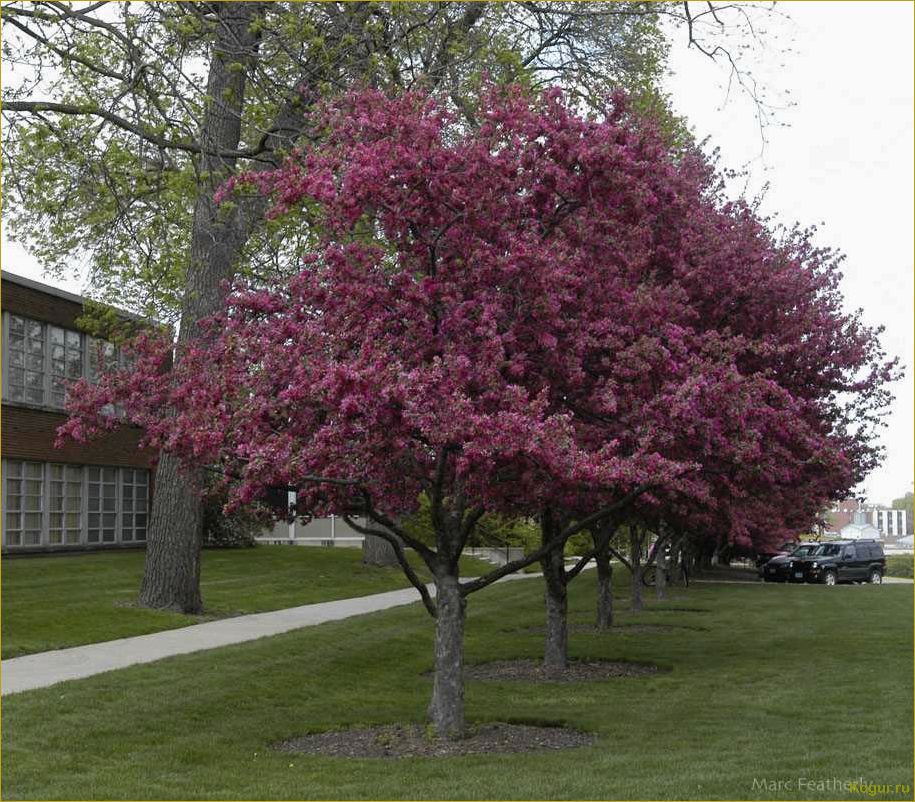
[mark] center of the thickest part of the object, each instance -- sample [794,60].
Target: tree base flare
[413,740]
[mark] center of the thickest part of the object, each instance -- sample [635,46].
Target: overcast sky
[844,160]
[841,156]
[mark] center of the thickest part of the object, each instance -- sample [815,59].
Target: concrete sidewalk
[48,668]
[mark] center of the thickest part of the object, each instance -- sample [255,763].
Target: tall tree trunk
[446,710]
[171,573]
[171,579]
[635,560]
[604,590]
[556,642]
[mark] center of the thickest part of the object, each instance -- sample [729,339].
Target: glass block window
[26,354]
[134,504]
[66,361]
[65,504]
[24,503]
[103,358]
[102,505]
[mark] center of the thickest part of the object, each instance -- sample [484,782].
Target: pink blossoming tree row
[547,316]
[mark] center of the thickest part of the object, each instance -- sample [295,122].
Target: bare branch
[397,545]
[38,106]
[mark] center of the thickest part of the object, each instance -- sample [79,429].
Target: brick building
[887,523]
[78,496]
[842,514]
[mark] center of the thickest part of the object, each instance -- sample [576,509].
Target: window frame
[44,539]
[23,509]
[81,512]
[116,528]
[85,343]
[49,362]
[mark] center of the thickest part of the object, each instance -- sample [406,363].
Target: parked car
[777,569]
[841,561]
[762,557]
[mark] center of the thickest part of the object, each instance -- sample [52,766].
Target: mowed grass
[56,602]
[784,682]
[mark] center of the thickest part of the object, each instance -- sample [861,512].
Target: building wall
[859,532]
[50,507]
[842,514]
[892,523]
[23,300]
[29,434]
[332,531]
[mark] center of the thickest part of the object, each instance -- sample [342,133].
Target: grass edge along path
[57,602]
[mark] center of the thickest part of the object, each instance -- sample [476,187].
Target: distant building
[859,529]
[887,523]
[841,514]
[891,523]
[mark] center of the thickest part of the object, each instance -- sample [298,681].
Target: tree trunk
[673,564]
[171,573]
[604,591]
[171,579]
[660,585]
[635,560]
[446,710]
[378,551]
[556,642]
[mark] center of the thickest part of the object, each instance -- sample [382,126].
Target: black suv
[777,570]
[841,561]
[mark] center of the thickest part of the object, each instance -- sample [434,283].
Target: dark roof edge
[67,296]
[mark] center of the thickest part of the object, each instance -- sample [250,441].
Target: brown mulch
[412,740]
[577,671]
[624,628]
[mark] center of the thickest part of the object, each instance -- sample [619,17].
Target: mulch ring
[577,671]
[624,629]
[412,740]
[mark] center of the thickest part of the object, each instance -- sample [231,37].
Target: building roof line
[49,289]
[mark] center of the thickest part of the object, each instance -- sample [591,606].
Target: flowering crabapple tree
[413,353]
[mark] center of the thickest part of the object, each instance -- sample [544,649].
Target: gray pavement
[48,668]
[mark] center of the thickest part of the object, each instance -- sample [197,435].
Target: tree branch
[38,106]
[402,559]
[535,556]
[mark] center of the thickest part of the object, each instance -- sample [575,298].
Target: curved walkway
[48,668]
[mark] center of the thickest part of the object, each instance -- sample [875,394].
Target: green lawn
[785,682]
[55,602]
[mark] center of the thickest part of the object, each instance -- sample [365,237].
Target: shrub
[900,565]
[238,530]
